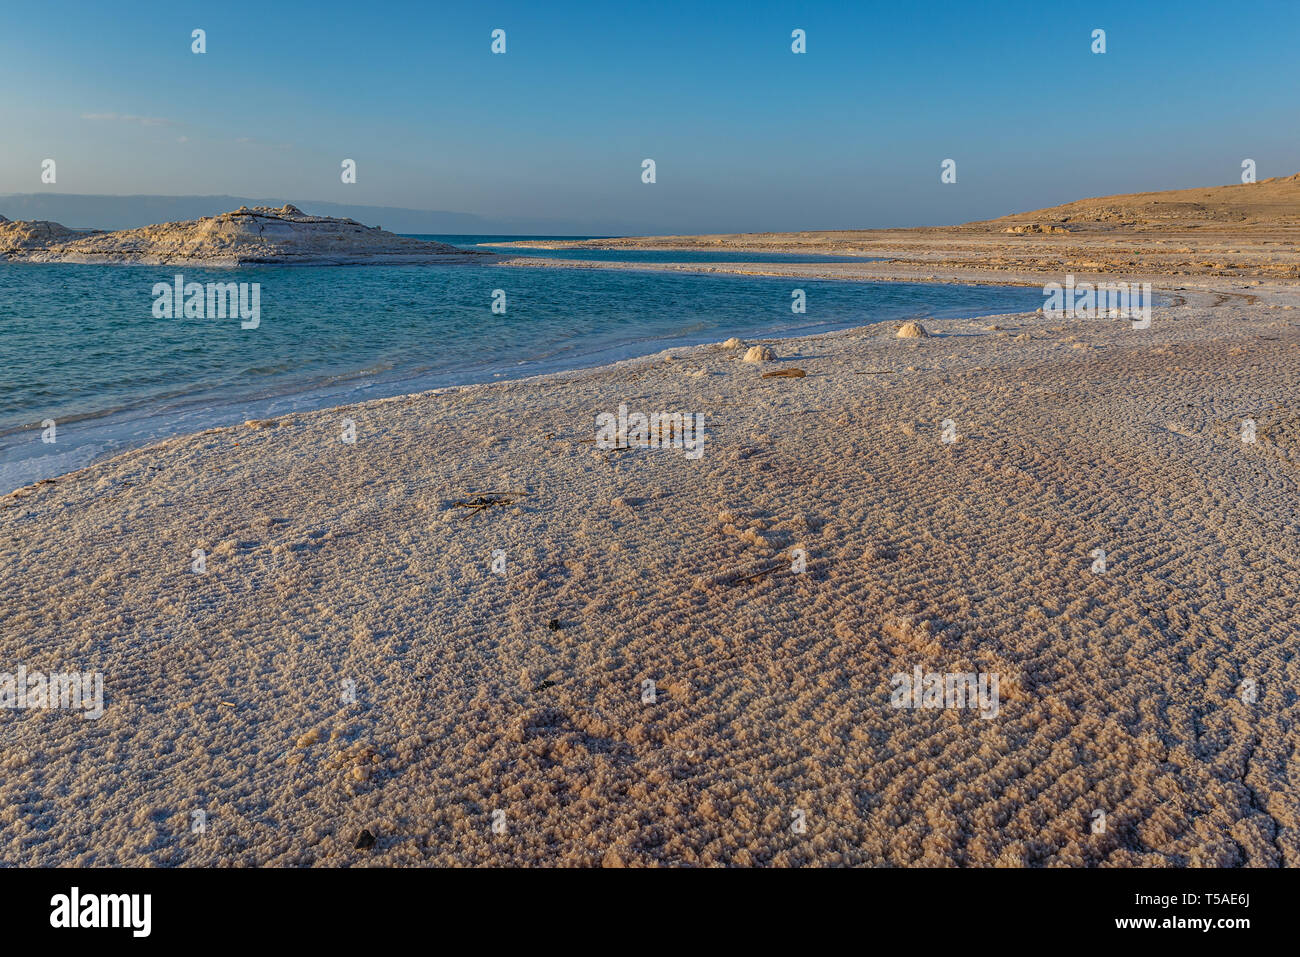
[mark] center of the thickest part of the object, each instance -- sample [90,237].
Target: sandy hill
[285,236]
[1270,202]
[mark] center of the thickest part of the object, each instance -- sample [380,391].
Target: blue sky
[746,135]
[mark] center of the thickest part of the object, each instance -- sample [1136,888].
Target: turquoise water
[80,344]
[492,244]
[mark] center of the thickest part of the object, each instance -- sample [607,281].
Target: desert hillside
[1270,202]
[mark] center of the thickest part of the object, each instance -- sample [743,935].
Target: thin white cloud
[128,118]
[254,141]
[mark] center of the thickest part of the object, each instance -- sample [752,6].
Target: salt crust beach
[329,563]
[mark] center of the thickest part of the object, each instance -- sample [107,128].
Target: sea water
[80,346]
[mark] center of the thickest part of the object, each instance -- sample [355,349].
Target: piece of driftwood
[758,574]
[785,374]
[483,503]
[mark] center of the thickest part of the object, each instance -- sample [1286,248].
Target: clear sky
[746,135]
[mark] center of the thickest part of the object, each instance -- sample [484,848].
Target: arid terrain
[1247,231]
[352,660]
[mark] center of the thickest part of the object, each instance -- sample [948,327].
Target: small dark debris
[483,503]
[364,840]
[553,624]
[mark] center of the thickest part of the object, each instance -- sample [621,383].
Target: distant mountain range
[132,212]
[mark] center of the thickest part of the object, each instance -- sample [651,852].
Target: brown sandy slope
[329,563]
[1249,207]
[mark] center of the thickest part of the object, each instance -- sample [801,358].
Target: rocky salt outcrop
[1023,229]
[260,235]
[18,239]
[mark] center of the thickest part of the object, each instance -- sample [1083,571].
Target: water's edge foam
[121,438]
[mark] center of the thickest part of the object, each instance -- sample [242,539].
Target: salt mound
[912,330]
[1024,228]
[260,234]
[733,343]
[18,238]
[759,354]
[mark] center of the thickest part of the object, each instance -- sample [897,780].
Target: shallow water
[492,244]
[80,345]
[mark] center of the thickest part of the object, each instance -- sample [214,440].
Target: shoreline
[1210,250]
[877,271]
[124,426]
[871,271]
[540,378]
[329,562]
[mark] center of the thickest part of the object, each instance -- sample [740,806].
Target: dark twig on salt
[482,503]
